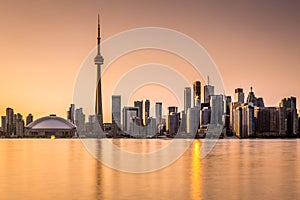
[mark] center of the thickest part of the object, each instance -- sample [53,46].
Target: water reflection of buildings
[183,177]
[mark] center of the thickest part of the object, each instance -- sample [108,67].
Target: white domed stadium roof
[51,122]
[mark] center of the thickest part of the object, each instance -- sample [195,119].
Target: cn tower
[98,62]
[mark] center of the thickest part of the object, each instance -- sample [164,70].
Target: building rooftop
[51,122]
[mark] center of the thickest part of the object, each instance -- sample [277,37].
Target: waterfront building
[233,114]
[29,119]
[217,109]
[3,124]
[133,126]
[258,102]
[183,121]
[80,121]
[92,127]
[116,110]
[158,114]
[187,98]
[247,122]
[130,118]
[71,113]
[146,112]
[173,123]
[290,109]
[226,118]
[244,121]
[299,123]
[50,125]
[193,120]
[139,104]
[151,128]
[281,122]
[209,90]
[267,119]
[205,116]
[239,95]
[19,125]
[10,128]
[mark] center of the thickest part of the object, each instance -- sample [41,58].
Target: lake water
[235,169]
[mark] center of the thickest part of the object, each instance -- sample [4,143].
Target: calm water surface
[235,169]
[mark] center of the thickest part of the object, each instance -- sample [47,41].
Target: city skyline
[267,60]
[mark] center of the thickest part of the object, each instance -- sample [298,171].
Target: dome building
[50,125]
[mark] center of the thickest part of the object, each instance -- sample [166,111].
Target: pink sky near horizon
[43,43]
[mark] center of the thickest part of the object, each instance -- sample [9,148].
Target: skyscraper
[217,109]
[71,113]
[19,125]
[193,120]
[29,119]
[205,116]
[146,111]
[289,105]
[172,124]
[259,102]
[187,98]
[244,121]
[208,91]
[130,115]
[80,120]
[116,110]
[173,109]
[227,114]
[197,93]
[269,121]
[158,113]
[239,95]
[139,104]
[9,121]
[98,62]
[3,124]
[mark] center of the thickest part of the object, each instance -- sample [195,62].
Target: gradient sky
[43,43]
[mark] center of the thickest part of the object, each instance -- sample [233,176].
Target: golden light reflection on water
[63,169]
[196,182]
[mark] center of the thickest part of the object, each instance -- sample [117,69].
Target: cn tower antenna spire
[99,62]
[98,38]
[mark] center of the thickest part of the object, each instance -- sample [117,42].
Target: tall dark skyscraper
[29,119]
[208,91]
[9,121]
[139,104]
[71,113]
[98,62]
[197,93]
[146,112]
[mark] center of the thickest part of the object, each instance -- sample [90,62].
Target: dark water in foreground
[235,169]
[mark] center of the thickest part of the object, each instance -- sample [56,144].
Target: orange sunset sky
[43,43]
